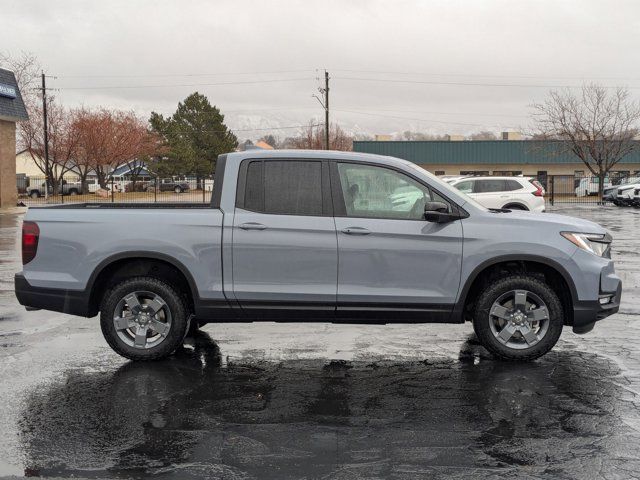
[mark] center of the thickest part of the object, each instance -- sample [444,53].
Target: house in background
[29,174]
[138,167]
[26,166]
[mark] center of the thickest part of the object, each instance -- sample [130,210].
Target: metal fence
[31,190]
[582,189]
[188,189]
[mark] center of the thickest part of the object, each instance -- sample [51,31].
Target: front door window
[376,192]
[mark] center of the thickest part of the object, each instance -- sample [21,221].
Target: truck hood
[628,186]
[561,222]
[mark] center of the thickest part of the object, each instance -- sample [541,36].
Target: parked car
[610,193]
[625,195]
[138,186]
[316,236]
[512,193]
[636,197]
[93,185]
[168,185]
[589,186]
[65,188]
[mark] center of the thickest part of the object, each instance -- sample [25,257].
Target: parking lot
[268,400]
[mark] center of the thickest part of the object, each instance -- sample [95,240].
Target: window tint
[284,187]
[254,191]
[465,187]
[487,186]
[511,185]
[379,192]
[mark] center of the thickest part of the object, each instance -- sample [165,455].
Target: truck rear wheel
[518,318]
[143,318]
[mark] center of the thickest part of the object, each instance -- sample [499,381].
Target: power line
[174,75]
[439,113]
[474,75]
[464,84]
[417,119]
[248,82]
[256,129]
[275,128]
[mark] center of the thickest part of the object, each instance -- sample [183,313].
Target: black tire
[73,191]
[482,320]
[178,189]
[34,194]
[174,302]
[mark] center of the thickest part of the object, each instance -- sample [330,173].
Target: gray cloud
[503,43]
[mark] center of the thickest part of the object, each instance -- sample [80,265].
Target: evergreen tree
[195,135]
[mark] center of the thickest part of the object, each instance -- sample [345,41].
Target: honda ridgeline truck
[318,236]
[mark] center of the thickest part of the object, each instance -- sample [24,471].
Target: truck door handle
[355,231]
[252,226]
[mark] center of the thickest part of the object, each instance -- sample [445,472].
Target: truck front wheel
[518,318]
[143,318]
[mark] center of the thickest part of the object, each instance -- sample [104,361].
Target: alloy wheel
[142,319]
[519,319]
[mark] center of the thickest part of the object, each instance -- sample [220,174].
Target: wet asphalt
[282,401]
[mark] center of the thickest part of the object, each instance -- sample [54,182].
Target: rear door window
[284,187]
[489,186]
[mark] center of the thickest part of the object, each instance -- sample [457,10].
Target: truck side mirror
[438,212]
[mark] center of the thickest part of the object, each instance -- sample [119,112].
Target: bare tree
[597,125]
[312,137]
[63,141]
[419,136]
[483,135]
[26,68]
[111,138]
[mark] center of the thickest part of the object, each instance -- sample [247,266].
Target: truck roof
[315,154]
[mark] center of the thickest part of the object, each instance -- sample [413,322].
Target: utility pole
[326,110]
[325,105]
[46,136]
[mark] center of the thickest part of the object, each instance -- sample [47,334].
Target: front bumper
[587,313]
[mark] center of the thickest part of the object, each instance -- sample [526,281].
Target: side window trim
[339,206]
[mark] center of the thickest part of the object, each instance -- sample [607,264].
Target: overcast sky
[434,66]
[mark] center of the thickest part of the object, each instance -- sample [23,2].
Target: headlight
[598,244]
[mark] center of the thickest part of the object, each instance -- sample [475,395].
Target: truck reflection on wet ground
[192,416]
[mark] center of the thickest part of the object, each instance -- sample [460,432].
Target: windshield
[626,181]
[445,188]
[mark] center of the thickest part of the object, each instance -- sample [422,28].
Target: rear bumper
[587,313]
[73,302]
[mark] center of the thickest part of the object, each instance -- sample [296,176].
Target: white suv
[625,195]
[513,193]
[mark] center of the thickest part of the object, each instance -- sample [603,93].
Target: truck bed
[76,240]
[104,205]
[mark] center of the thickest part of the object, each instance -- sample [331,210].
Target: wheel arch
[553,273]
[127,264]
[518,205]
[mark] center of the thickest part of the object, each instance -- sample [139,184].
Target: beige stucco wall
[8,190]
[26,165]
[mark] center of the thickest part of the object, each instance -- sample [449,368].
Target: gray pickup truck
[318,236]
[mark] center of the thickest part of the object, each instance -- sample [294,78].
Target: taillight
[539,190]
[30,236]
